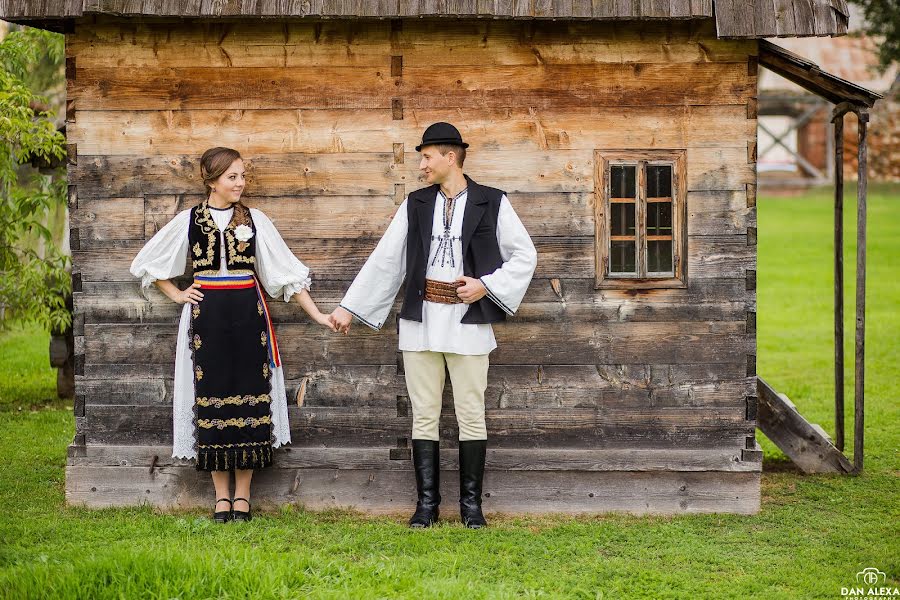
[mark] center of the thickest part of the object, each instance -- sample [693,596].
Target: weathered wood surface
[505,86]
[564,291]
[423,43]
[810,76]
[801,441]
[374,173]
[498,459]
[598,382]
[783,18]
[733,18]
[419,35]
[709,257]
[554,9]
[171,132]
[705,300]
[394,491]
[106,221]
[838,121]
[633,387]
[859,370]
[607,427]
[713,342]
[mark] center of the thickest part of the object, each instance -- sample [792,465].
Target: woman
[230,407]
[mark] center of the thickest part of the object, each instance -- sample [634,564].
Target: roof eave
[810,77]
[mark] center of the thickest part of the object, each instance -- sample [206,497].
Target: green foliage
[34,283]
[883,19]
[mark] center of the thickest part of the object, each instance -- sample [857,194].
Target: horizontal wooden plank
[719,213]
[422,43]
[498,459]
[295,372]
[416,53]
[508,428]
[509,386]
[108,219]
[129,306]
[354,174]
[518,343]
[708,291]
[394,491]
[553,214]
[483,86]
[709,257]
[342,258]
[550,214]
[356,33]
[719,256]
[161,132]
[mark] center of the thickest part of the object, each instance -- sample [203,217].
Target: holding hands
[323,319]
[340,320]
[470,290]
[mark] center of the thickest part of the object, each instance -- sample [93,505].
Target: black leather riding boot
[471,474]
[427,462]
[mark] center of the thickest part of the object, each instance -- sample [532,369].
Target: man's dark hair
[460,152]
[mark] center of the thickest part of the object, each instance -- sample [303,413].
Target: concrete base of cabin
[591,481]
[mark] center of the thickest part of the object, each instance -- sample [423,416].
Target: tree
[34,281]
[882,19]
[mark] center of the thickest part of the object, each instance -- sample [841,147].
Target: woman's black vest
[204,241]
[480,249]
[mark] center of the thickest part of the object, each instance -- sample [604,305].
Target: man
[467,261]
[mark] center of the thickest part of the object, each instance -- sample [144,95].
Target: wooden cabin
[625,136]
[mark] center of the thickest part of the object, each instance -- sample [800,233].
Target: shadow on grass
[780,464]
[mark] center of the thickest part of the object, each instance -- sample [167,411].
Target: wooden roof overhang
[733,18]
[810,77]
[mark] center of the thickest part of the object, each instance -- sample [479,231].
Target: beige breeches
[425,384]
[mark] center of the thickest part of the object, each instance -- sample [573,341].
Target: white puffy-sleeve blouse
[279,272]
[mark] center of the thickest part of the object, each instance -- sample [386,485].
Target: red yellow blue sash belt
[226,282]
[241,282]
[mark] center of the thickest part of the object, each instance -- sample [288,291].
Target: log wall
[585,383]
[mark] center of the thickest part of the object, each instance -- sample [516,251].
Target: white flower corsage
[243,233]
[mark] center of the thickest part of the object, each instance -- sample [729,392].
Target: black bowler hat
[441,133]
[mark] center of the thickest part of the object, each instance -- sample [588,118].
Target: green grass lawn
[813,534]
[26,378]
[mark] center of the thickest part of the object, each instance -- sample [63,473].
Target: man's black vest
[204,241]
[480,249]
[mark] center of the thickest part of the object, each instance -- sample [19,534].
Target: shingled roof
[734,18]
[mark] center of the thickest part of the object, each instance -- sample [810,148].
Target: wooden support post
[829,149]
[859,392]
[839,282]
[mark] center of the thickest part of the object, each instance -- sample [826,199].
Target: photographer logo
[870,583]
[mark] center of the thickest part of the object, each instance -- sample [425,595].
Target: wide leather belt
[442,292]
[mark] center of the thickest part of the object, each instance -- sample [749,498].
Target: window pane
[659,218]
[622,178]
[622,216]
[659,256]
[621,259]
[659,181]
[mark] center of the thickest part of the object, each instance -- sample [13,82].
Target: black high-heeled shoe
[223,516]
[240,515]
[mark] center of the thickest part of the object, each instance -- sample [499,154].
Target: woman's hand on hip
[192,294]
